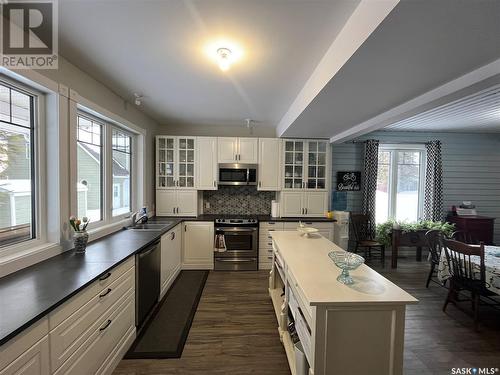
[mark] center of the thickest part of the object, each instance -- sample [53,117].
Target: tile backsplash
[238,200]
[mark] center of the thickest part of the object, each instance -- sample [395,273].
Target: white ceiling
[479,112]
[419,46]
[156,48]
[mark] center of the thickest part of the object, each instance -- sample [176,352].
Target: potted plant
[81,236]
[384,230]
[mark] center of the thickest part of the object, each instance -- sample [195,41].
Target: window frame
[393,175]
[38,170]
[107,169]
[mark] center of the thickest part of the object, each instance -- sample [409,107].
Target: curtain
[370,170]
[433,194]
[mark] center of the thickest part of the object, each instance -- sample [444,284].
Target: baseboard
[117,355]
[198,266]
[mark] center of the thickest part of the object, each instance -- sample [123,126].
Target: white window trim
[109,223]
[394,147]
[23,248]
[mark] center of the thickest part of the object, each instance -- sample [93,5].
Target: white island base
[343,329]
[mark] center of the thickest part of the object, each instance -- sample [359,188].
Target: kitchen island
[343,329]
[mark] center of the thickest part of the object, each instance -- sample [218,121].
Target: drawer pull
[270,243]
[270,258]
[105,293]
[105,276]
[105,326]
[308,223]
[269,250]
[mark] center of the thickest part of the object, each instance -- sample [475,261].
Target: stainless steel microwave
[237,174]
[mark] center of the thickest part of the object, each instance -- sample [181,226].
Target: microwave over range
[237,174]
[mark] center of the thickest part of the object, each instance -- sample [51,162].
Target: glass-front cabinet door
[316,165]
[293,173]
[165,156]
[305,164]
[186,150]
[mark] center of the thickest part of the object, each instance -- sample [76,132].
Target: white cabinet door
[206,163]
[315,203]
[166,202]
[170,258]
[227,149]
[187,203]
[33,361]
[198,249]
[186,148]
[291,203]
[248,150]
[269,164]
[166,162]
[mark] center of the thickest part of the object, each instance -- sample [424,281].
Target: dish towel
[220,243]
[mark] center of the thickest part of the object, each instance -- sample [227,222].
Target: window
[400,183]
[121,145]
[17,174]
[89,157]
[104,160]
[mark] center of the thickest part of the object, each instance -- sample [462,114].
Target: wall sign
[348,181]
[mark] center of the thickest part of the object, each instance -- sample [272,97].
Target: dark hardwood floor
[235,330]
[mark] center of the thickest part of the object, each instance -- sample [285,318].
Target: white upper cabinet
[305,165]
[269,164]
[237,150]
[175,162]
[206,163]
[248,150]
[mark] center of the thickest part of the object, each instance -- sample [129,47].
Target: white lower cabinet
[176,202]
[198,245]
[28,353]
[303,203]
[171,254]
[91,332]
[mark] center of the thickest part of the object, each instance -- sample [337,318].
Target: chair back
[460,263]
[463,236]
[434,239]
[361,227]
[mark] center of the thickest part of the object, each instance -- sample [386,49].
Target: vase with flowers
[81,236]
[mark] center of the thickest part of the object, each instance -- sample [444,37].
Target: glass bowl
[346,262]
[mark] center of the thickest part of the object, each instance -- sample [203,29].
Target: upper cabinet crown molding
[237,150]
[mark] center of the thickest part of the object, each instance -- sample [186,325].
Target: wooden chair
[363,235]
[434,239]
[463,274]
[463,236]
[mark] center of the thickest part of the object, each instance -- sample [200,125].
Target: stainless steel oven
[236,244]
[237,174]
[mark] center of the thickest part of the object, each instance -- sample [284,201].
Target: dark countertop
[212,217]
[31,293]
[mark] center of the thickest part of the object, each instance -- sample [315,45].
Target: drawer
[266,258]
[105,335]
[304,332]
[67,337]
[97,287]
[299,296]
[265,242]
[265,266]
[265,251]
[276,225]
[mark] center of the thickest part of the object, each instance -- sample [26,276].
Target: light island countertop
[315,274]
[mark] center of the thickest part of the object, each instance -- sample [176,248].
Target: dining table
[491,262]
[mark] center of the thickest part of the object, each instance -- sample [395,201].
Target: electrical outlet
[207,205]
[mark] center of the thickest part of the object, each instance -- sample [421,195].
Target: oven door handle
[233,260]
[232,230]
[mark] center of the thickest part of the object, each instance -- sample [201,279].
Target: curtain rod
[394,143]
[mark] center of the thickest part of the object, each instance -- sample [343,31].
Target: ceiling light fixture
[224,53]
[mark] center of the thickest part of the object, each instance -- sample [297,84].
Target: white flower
[85,219]
[72,218]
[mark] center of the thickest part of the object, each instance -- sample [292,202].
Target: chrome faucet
[135,220]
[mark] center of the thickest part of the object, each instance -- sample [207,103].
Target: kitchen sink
[157,226]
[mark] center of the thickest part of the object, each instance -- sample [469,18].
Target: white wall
[217,130]
[88,87]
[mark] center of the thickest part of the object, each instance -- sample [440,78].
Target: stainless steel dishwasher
[147,281]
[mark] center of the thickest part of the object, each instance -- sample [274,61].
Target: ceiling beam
[363,21]
[431,99]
